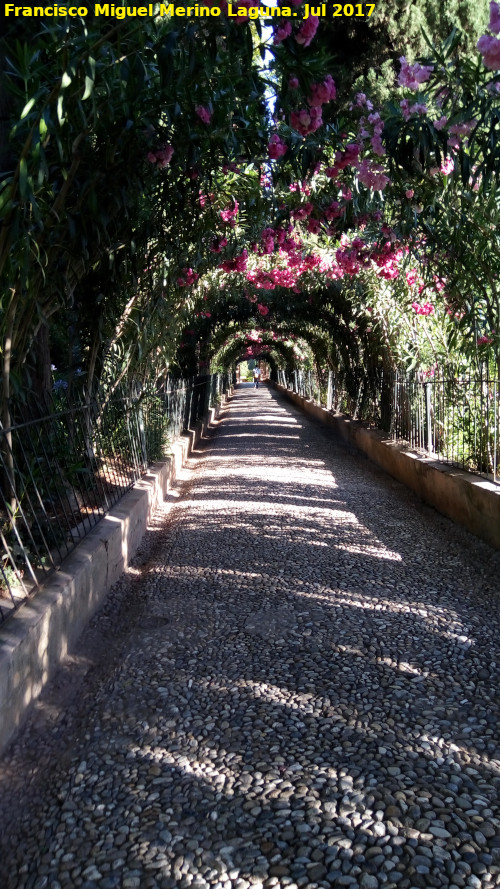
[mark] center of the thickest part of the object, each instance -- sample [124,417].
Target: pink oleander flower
[165,155]
[204,113]
[494,25]
[314,226]
[441,123]
[348,261]
[263,310]
[229,215]
[418,108]
[372,175]
[388,261]
[333,211]
[293,83]
[349,157]
[218,245]
[459,130]
[267,239]
[425,309]
[321,93]
[484,340]
[308,30]
[303,211]
[282,32]
[447,166]
[276,147]
[238,264]
[377,145]
[409,193]
[411,76]
[489,47]
[306,121]
[428,374]
[188,278]
[361,101]
[161,157]
[405,108]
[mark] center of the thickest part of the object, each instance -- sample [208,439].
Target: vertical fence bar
[329,392]
[495,429]
[428,417]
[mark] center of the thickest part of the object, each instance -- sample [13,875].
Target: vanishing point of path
[297,683]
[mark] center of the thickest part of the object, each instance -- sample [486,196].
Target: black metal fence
[62,472]
[454,419]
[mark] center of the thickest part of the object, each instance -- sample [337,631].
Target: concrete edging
[41,633]
[465,498]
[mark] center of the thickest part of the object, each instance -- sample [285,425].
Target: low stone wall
[38,636]
[465,498]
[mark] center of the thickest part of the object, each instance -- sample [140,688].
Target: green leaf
[5,197]
[65,80]
[23,178]
[89,86]
[27,108]
[60,110]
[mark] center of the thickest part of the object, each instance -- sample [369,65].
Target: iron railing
[454,419]
[60,473]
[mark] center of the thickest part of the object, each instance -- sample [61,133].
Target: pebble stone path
[296,684]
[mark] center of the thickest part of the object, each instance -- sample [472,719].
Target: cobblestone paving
[296,684]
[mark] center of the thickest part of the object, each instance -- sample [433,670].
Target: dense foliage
[180,192]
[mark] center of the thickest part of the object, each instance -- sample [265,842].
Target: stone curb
[39,635]
[467,499]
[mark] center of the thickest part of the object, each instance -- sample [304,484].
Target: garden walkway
[296,684]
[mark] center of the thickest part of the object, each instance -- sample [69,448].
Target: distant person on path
[256,376]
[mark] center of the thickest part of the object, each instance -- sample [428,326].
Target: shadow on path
[304,691]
